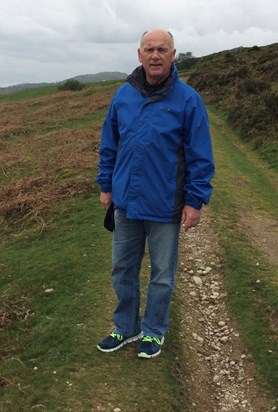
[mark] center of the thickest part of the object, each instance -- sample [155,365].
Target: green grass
[268,151]
[239,172]
[59,283]
[91,88]
[84,122]
[243,186]
[29,93]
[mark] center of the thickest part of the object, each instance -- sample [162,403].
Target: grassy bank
[245,191]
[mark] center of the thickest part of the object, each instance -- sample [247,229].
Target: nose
[155,54]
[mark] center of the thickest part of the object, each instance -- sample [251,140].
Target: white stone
[197,281]
[216,378]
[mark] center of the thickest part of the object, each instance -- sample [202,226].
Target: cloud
[51,41]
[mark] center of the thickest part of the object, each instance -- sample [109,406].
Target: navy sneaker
[115,341]
[150,347]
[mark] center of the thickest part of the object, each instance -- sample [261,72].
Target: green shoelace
[117,336]
[151,339]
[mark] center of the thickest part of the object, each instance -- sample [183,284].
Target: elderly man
[156,163]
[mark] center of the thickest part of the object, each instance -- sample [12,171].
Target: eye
[162,50]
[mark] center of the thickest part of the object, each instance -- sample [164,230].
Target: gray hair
[166,31]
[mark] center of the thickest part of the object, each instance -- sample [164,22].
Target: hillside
[243,83]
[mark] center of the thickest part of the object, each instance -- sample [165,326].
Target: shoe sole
[146,356]
[128,340]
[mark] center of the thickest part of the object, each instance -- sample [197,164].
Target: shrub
[71,84]
[253,86]
[242,72]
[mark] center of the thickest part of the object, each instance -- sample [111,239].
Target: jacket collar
[137,79]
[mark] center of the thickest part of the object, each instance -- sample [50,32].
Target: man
[156,163]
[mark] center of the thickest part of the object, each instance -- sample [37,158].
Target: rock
[198,281]
[198,338]
[215,295]
[216,378]
[215,347]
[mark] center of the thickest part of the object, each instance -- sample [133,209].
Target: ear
[139,56]
[174,55]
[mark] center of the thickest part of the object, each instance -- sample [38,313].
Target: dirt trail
[221,371]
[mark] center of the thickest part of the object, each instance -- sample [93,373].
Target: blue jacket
[156,153]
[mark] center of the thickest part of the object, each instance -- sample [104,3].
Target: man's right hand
[105,199]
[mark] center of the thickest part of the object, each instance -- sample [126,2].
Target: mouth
[155,65]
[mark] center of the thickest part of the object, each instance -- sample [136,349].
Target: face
[156,53]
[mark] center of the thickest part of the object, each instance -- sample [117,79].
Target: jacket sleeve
[108,149]
[199,163]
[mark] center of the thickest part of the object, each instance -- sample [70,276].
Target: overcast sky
[52,40]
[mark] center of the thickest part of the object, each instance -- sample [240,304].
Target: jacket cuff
[195,205]
[106,188]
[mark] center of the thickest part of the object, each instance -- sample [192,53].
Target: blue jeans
[128,247]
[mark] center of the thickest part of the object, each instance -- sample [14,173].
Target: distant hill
[22,86]
[98,77]
[86,78]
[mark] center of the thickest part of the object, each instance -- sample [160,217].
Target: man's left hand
[190,217]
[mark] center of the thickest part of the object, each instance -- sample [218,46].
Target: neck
[156,81]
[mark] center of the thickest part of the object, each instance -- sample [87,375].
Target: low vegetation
[71,84]
[243,83]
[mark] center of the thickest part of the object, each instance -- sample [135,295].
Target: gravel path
[221,371]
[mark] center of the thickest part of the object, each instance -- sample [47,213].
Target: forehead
[156,39]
